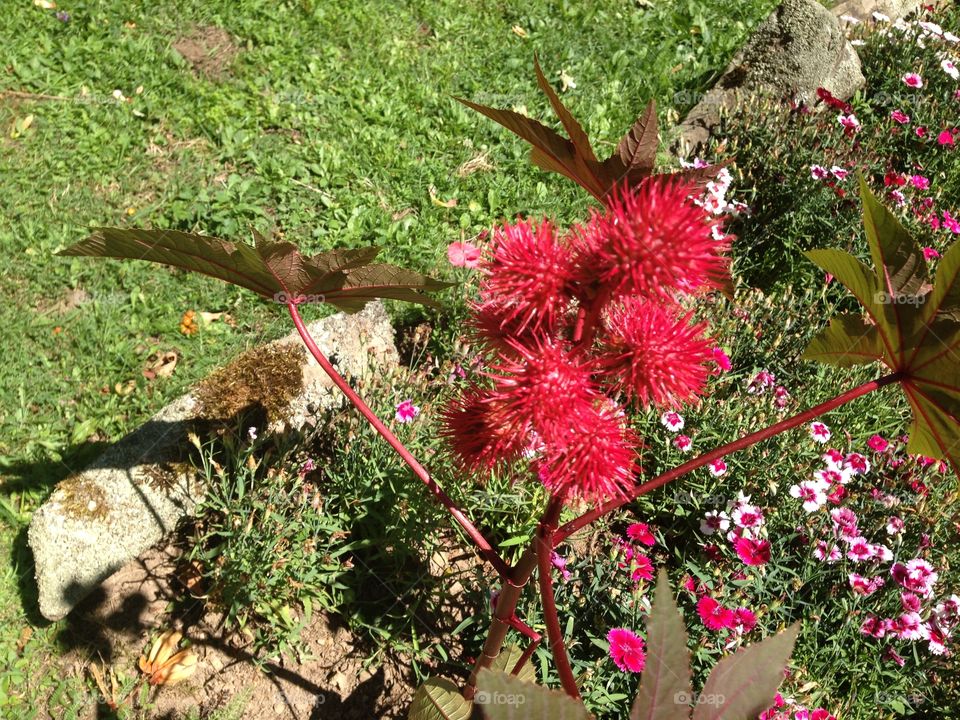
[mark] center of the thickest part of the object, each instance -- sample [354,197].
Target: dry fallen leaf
[125,388]
[45,4]
[519,31]
[161,364]
[24,638]
[165,667]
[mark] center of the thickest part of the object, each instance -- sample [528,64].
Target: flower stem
[545,545]
[506,607]
[483,546]
[574,525]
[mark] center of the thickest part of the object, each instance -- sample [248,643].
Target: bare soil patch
[118,622]
[209,50]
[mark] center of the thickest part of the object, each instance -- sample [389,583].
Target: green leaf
[857,277]
[849,340]
[916,332]
[274,270]
[944,301]
[900,265]
[439,699]
[507,660]
[743,685]
[665,690]
[504,697]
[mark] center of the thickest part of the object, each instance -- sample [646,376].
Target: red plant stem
[545,545]
[483,546]
[574,525]
[521,627]
[507,600]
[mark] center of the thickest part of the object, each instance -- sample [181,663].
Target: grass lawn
[331,124]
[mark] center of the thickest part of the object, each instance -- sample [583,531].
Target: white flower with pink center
[950,68]
[819,432]
[717,467]
[832,477]
[812,493]
[859,549]
[747,516]
[827,552]
[845,522]
[672,421]
[833,459]
[881,553]
[715,521]
[819,172]
[683,443]
[910,626]
[856,463]
[912,80]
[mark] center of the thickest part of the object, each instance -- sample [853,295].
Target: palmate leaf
[909,326]
[347,279]
[666,678]
[632,162]
[744,684]
[438,699]
[504,697]
[508,658]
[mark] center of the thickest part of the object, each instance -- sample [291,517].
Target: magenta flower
[850,123]
[721,359]
[753,552]
[877,443]
[945,138]
[714,615]
[640,532]
[746,620]
[642,568]
[920,182]
[900,117]
[627,650]
[912,80]
[930,253]
[463,254]
[406,411]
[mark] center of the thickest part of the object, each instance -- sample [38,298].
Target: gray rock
[863,9]
[797,49]
[140,488]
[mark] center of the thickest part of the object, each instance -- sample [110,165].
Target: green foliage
[774,145]
[267,546]
[912,329]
